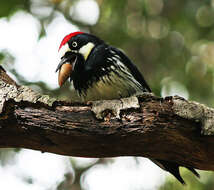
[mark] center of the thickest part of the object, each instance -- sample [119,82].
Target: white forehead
[65,48]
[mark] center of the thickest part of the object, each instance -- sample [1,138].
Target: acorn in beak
[65,67]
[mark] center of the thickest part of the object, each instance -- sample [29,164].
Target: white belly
[112,87]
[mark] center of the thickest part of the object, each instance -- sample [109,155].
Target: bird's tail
[173,168]
[193,171]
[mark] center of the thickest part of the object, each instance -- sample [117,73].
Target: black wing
[133,69]
[108,56]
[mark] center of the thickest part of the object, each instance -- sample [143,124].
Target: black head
[74,50]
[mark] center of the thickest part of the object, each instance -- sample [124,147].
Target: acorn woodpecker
[100,72]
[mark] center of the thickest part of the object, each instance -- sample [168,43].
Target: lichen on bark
[22,93]
[195,111]
[114,106]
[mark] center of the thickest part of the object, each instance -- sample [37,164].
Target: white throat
[86,49]
[65,48]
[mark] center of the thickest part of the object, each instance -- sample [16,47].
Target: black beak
[63,60]
[69,58]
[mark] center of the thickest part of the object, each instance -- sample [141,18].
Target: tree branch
[169,128]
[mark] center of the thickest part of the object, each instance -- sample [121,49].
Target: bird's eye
[74,44]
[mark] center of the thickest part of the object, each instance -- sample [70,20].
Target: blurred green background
[171,42]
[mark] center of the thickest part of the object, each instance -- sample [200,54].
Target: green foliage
[9,6]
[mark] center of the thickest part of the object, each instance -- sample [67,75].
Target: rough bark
[171,128]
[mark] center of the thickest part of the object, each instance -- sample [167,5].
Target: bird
[100,71]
